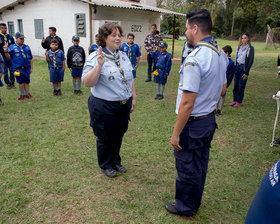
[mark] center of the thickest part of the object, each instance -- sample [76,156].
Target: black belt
[239,64]
[57,67]
[122,102]
[22,67]
[192,118]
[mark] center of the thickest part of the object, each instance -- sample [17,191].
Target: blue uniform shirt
[5,39]
[20,55]
[56,58]
[132,51]
[266,204]
[164,62]
[93,48]
[110,85]
[203,72]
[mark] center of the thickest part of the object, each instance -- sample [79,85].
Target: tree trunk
[232,23]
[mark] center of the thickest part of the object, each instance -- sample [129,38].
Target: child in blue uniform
[133,52]
[94,47]
[163,66]
[21,57]
[230,73]
[75,61]
[55,58]
[1,72]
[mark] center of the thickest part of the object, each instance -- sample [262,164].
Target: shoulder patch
[189,64]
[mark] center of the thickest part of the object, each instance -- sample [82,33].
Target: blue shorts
[24,76]
[56,75]
[160,78]
[77,72]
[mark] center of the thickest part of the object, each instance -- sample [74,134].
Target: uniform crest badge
[111,78]
[189,63]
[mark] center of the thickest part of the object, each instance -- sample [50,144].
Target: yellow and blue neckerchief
[116,59]
[129,51]
[22,52]
[5,37]
[54,59]
[209,42]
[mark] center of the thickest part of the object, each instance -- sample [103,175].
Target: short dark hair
[227,49]
[105,30]
[202,18]
[97,35]
[54,41]
[155,25]
[52,28]
[130,35]
[3,24]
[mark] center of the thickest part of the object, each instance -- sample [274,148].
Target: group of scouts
[16,59]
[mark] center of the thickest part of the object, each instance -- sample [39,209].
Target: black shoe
[120,168]
[109,173]
[170,207]
[148,80]
[218,112]
[80,92]
[55,92]
[13,85]
[277,142]
[9,86]
[75,91]
[1,102]
[160,97]
[157,96]
[59,93]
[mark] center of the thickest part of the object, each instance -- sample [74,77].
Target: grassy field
[49,171]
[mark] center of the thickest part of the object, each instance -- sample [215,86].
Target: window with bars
[20,26]
[80,24]
[39,28]
[11,28]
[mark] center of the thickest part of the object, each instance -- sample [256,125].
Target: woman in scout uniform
[21,57]
[108,72]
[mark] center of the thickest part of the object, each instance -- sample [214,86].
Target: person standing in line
[108,72]
[1,73]
[52,35]
[93,47]
[151,44]
[243,63]
[7,38]
[202,81]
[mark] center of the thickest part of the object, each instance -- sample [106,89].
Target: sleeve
[62,56]
[192,76]
[121,47]
[11,51]
[30,54]
[84,56]
[90,64]
[12,40]
[168,64]
[138,52]
[1,65]
[60,44]
[69,58]
[44,45]
[251,60]
[146,43]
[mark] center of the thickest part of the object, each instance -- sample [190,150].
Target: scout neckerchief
[54,59]
[5,37]
[116,58]
[22,52]
[209,42]
[129,51]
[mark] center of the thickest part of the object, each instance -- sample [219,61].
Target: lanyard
[22,52]
[54,59]
[116,58]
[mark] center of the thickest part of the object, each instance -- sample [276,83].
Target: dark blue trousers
[192,164]
[239,84]
[150,64]
[109,121]
[8,67]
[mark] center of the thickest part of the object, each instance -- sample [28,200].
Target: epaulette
[93,54]
[207,44]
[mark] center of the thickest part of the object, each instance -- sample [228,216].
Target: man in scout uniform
[21,57]
[132,51]
[7,38]
[52,35]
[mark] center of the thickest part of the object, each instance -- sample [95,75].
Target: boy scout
[21,57]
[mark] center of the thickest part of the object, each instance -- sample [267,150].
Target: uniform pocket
[200,137]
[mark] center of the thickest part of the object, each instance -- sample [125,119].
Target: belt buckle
[122,102]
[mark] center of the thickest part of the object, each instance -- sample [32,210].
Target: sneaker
[9,86]
[157,96]
[277,142]
[59,93]
[80,92]
[75,92]
[13,86]
[218,112]
[1,102]
[233,103]
[120,168]
[109,173]
[236,105]
[29,96]
[20,98]
[160,97]
[170,207]
[148,80]
[55,92]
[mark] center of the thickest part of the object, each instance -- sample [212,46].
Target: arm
[31,66]
[44,43]
[91,78]
[60,44]
[47,56]
[185,109]
[63,65]
[224,90]
[168,66]
[146,43]
[84,57]
[251,60]
[5,48]
[69,58]
[137,63]
[133,98]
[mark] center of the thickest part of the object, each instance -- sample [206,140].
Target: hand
[133,105]
[43,39]
[100,57]
[175,139]
[244,77]
[46,53]
[31,70]
[5,47]
[165,77]
[0,75]
[70,70]
[136,66]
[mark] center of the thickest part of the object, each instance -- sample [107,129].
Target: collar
[3,34]
[209,42]
[53,36]
[75,46]
[129,44]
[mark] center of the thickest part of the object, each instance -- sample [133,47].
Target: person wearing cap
[75,61]
[2,64]
[21,57]
[46,43]
[55,58]
[7,38]
[202,81]
[162,69]
[132,50]
[108,72]
[151,43]
[94,47]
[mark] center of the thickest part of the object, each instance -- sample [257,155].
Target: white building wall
[59,14]
[137,22]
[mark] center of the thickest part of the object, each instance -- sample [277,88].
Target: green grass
[49,171]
